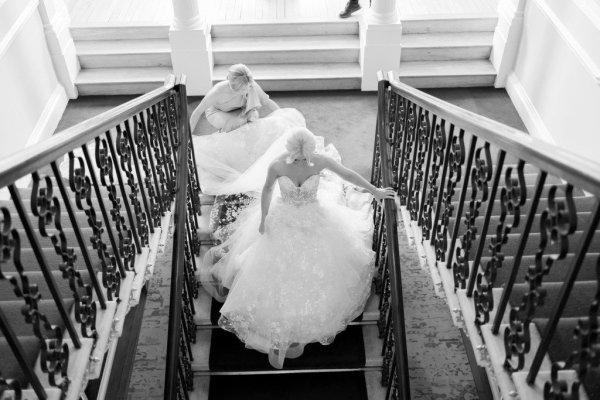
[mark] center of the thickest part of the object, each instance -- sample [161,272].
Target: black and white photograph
[300,199]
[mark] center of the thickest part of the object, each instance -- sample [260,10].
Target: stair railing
[480,195]
[388,279]
[99,193]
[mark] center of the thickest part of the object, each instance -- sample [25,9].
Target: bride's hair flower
[300,144]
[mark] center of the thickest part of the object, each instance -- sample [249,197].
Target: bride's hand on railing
[384,193]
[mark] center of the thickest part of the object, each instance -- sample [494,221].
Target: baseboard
[532,120]
[50,116]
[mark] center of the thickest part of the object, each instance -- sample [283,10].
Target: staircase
[447,52]
[290,55]
[121,59]
[512,242]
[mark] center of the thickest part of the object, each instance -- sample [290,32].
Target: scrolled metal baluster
[558,221]
[384,303]
[380,261]
[146,136]
[104,162]
[512,197]
[558,389]
[388,353]
[168,149]
[159,160]
[46,207]
[398,144]
[125,153]
[139,139]
[81,185]
[407,167]
[185,362]
[54,353]
[481,175]
[420,167]
[455,161]
[162,138]
[438,153]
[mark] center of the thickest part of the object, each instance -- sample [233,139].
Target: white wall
[555,83]
[31,98]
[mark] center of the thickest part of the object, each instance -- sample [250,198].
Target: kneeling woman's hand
[234,123]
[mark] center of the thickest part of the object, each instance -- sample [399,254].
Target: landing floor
[160,12]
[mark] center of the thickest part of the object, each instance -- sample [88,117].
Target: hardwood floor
[114,12]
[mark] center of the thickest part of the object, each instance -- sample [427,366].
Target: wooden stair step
[431,74]
[286,49]
[449,23]
[284,28]
[124,53]
[446,46]
[114,81]
[301,76]
[117,31]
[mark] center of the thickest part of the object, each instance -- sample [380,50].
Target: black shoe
[351,7]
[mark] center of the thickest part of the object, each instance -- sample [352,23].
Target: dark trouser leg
[351,7]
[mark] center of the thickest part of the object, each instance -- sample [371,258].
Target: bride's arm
[353,177]
[267,194]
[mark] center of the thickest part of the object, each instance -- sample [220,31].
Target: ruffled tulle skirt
[302,281]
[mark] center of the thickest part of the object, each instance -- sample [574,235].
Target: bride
[297,269]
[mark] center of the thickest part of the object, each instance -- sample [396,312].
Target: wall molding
[527,111]
[50,116]
[570,40]
[28,11]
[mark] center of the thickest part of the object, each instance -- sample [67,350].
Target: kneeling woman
[299,268]
[233,102]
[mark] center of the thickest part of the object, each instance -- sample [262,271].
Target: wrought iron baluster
[116,251]
[160,165]
[80,241]
[486,222]
[407,167]
[461,201]
[147,127]
[387,351]
[15,386]
[428,167]
[10,245]
[105,164]
[46,207]
[163,159]
[80,184]
[438,148]
[142,160]
[456,159]
[481,174]
[512,197]
[41,259]
[125,161]
[565,292]
[421,151]
[166,146]
[519,254]
[558,222]
[586,357]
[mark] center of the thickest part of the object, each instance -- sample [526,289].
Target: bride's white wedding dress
[305,278]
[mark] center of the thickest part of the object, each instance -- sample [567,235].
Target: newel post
[56,21]
[507,37]
[191,52]
[380,35]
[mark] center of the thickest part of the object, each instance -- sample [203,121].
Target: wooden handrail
[554,159]
[43,153]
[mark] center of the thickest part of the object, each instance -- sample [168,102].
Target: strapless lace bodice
[299,195]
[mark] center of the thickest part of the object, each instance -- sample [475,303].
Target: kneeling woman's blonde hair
[300,144]
[240,76]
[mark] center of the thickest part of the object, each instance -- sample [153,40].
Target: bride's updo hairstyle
[300,144]
[239,76]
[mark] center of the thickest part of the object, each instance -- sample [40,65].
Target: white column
[191,52]
[380,36]
[56,21]
[507,37]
